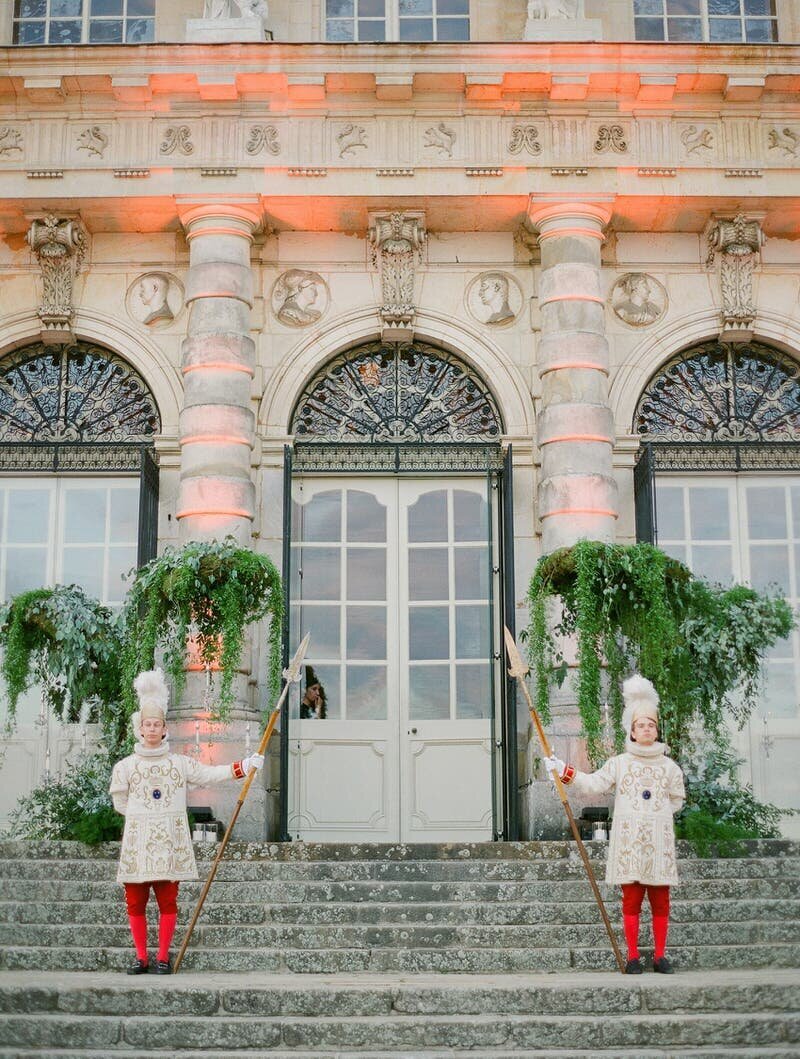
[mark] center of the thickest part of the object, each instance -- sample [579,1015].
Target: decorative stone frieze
[177,140]
[299,298]
[131,174]
[786,140]
[483,171]
[440,138]
[218,171]
[494,299]
[525,138]
[744,172]
[10,140]
[738,243]
[397,240]
[697,140]
[638,299]
[650,171]
[569,171]
[59,245]
[45,174]
[307,171]
[263,138]
[610,138]
[350,139]
[93,140]
[394,172]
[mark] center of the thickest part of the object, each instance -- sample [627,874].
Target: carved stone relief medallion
[494,299]
[638,299]
[299,298]
[154,300]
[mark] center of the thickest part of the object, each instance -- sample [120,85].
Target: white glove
[554,764]
[254,761]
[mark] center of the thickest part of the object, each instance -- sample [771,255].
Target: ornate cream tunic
[149,789]
[649,790]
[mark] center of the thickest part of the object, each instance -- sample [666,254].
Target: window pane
[141,7]
[366,517]
[339,9]
[472,632]
[26,568]
[66,8]
[766,512]
[329,679]
[709,514]
[323,624]
[427,518]
[64,33]
[473,694]
[416,29]
[84,567]
[121,561]
[724,29]
[366,632]
[124,515]
[321,576]
[724,7]
[648,7]
[321,517]
[30,9]
[28,516]
[760,30]
[470,516]
[676,551]
[105,32]
[416,7]
[670,513]
[85,516]
[769,567]
[713,562]
[106,7]
[452,7]
[371,8]
[366,573]
[140,31]
[29,32]
[472,575]
[428,573]
[759,7]
[649,29]
[339,30]
[429,693]
[779,697]
[372,30]
[452,29]
[428,632]
[684,29]
[683,7]
[366,693]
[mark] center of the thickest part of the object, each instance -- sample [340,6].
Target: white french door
[394,581]
[747,529]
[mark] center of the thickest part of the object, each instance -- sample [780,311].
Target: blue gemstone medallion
[646,795]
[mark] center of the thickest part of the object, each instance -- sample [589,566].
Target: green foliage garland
[211,590]
[66,641]
[632,608]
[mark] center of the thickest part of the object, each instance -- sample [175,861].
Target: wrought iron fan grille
[396,393]
[73,394]
[722,393]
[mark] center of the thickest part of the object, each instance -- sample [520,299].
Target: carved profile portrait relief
[493,298]
[638,299]
[154,299]
[299,298]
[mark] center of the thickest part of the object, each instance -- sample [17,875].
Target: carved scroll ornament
[59,245]
[397,240]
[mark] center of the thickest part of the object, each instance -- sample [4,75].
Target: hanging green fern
[632,608]
[210,591]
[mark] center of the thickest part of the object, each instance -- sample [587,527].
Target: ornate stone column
[577,490]
[217,495]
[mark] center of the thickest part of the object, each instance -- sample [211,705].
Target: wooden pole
[291,674]
[518,669]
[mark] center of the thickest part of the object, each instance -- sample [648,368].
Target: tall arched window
[78,477]
[718,487]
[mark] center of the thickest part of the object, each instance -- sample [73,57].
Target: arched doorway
[78,504]
[394,560]
[718,487]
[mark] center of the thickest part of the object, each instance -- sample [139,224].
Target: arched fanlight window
[395,393]
[722,393]
[77,393]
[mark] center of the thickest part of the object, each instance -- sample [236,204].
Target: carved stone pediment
[397,240]
[59,245]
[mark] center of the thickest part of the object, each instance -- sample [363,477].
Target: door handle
[412,731]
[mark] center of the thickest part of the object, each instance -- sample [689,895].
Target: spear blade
[517,667]
[293,671]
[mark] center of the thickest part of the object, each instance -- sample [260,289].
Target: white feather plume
[637,691]
[151,689]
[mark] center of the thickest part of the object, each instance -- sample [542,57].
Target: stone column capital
[568,218]
[225,216]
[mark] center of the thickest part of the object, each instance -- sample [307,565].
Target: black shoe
[663,966]
[634,967]
[139,967]
[164,967]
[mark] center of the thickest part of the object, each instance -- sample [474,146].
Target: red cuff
[238,771]
[568,775]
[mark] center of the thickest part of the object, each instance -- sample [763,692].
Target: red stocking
[166,931]
[632,896]
[167,897]
[659,903]
[136,900]
[139,932]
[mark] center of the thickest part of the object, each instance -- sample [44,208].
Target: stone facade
[233,199]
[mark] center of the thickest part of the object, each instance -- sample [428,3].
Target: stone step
[326,936]
[455,960]
[112,912]
[576,1015]
[400,892]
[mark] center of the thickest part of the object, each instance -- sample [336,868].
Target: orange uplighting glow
[566,365]
[215,439]
[580,511]
[578,437]
[572,298]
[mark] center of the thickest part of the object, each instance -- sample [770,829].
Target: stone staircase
[384,950]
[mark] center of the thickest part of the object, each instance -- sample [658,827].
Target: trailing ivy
[633,608]
[207,591]
[68,643]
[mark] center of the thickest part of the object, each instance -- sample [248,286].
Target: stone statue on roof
[218,9]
